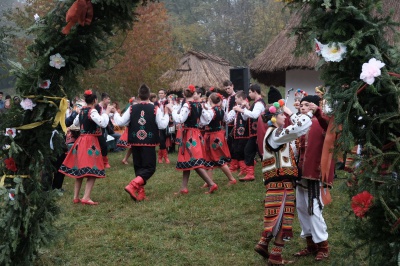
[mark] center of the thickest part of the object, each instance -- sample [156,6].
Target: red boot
[160,156]
[141,195]
[243,168]
[165,155]
[234,167]
[250,174]
[105,161]
[134,186]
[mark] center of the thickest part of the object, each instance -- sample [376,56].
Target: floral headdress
[275,110]
[299,94]
[320,89]
[88,92]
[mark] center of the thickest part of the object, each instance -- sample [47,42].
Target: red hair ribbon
[88,92]
[192,88]
[220,96]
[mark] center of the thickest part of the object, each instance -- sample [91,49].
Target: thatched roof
[270,65]
[198,68]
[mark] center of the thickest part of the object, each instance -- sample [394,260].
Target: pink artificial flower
[371,70]
[27,104]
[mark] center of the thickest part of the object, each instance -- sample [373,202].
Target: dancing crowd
[211,130]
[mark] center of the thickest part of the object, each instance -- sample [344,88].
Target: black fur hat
[311,99]
[273,95]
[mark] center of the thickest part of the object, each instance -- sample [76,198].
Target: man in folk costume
[312,187]
[251,114]
[162,152]
[279,171]
[228,105]
[101,107]
[144,121]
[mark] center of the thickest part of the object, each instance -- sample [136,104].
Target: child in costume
[191,152]
[84,158]
[144,120]
[217,151]
[279,171]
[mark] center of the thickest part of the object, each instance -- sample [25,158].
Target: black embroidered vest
[216,122]
[143,129]
[87,125]
[254,122]
[193,119]
[241,127]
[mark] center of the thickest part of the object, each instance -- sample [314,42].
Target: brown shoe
[262,250]
[311,248]
[323,251]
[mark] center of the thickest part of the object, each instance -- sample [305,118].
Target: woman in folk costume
[217,151]
[251,114]
[191,149]
[145,120]
[84,159]
[279,171]
[309,199]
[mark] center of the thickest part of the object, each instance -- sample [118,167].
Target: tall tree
[145,53]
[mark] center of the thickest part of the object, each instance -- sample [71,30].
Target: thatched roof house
[277,65]
[198,68]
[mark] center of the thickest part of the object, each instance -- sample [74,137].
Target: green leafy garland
[28,209]
[368,114]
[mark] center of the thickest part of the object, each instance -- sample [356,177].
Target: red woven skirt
[123,140]
[217,150]
[191,150]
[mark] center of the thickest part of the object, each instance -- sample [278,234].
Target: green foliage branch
[27,223]
[364,114]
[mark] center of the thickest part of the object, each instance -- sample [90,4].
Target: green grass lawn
[192,229]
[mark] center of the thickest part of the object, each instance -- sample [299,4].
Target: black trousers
[238,147]
[144,161]
[163,138]
[250,151]
[58,178]
[103,142]
[229,141]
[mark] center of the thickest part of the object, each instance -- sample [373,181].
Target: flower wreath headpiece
[275,110]
[299,94]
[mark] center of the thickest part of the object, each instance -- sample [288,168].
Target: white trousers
[311,225]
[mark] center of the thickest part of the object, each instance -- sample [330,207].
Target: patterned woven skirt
[279,208]
[191,150]
[217,150]
[123,140]
[84,159]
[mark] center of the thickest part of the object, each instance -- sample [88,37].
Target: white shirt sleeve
[76,121]
[162,119]
[206,117]
[183,115]
[124,119]
[100,120]
[301,125]
[257,110]
[229,117]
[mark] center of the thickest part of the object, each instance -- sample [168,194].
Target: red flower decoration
[192,88]
[220,96]
[361,203]
[10,164]
[212,89]
[88,92]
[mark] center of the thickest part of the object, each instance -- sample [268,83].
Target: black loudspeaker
[240,78]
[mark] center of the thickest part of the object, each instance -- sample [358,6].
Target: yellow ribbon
[3,178]
[60,116]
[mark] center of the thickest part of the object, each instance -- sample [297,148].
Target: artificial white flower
[12,132]
[57,61]
[45,84]
[27,104]
[333,52]
[371,70]
[37,17]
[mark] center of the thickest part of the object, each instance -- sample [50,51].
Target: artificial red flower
[10,164]
[192,88]
[361,203]
[88,92]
